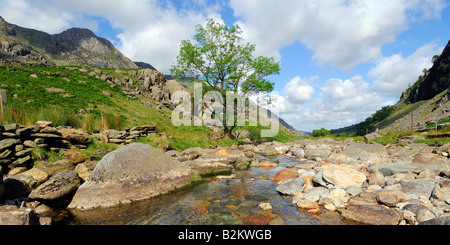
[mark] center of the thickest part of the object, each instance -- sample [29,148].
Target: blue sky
[341,60]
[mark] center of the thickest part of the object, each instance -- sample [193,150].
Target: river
[217,201]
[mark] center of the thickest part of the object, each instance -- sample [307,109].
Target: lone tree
[223,62]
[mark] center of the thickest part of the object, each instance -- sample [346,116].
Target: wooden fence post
[3,100]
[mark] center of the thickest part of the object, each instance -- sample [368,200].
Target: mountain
[419,107]
[74,46]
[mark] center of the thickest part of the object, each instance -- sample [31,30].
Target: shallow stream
[217,202]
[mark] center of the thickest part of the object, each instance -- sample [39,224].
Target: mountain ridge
[75,46]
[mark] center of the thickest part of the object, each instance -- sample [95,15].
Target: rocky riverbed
[362,183]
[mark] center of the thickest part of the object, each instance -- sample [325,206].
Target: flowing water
[217,202]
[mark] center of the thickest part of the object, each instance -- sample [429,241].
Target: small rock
[391,198]
[265,206]
[424,215]
[376,178]
[290,186]
[73,156]
[285,174]
[268,164]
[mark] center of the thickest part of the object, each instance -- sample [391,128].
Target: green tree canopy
[221,59]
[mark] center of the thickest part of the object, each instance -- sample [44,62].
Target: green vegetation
[223,62]
[320,132]
[29,101]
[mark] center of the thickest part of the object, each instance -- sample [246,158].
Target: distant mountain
[145,65]
[424,102]
[74,46]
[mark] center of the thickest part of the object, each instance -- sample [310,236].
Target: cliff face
[72,47]
[436,80]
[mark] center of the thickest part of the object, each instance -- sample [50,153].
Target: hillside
[426,101]
[72,47]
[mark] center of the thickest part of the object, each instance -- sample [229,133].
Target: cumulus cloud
[393,74]
[342,103]
[299,90]
[339,33]
[149,31]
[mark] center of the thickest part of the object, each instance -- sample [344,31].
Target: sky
[341,60]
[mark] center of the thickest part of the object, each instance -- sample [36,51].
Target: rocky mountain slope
[419,107]
[72,47]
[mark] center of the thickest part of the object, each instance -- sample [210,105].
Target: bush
[320,132]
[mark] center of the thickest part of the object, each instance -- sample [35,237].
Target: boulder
[388,169]
[56,167]
[370,215]
[344,175]
[210,165]
[359,150]
[419,187]
[57,187]
[131,173]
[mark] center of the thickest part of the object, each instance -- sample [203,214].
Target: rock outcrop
[131,173]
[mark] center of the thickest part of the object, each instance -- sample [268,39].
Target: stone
[388,169]
[424,215]
[2,188]
[442,193]
[307,204]
[364,198]
[443,220]
[58,186]
[268,164]
[285,174]
[344,175]
[12,215]
[56,167]
[360,150]
[290,186]
[370,215]
[338,193]
[353,190]
[75,136]
[85,169]
[24,132]
[265,206]
[419,187]
[376,178]
[73,156]
[8,143]
[18,185]
[30,144]
[337,158]
[44,124]
[298,152]
[131,173]
[391,198]
[318,178]
[222,152]
[37,174]
[314,193]
[210,165]
[242,163]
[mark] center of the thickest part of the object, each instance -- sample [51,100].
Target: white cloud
[393,74]
[299,90]
[342,103]
[339,33]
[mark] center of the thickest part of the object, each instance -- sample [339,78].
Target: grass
[28,102]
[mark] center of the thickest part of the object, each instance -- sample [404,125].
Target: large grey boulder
[131,173]
[58,186]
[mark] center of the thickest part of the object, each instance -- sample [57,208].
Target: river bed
[218,201]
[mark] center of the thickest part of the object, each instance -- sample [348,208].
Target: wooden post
[3,100]
[103,120]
